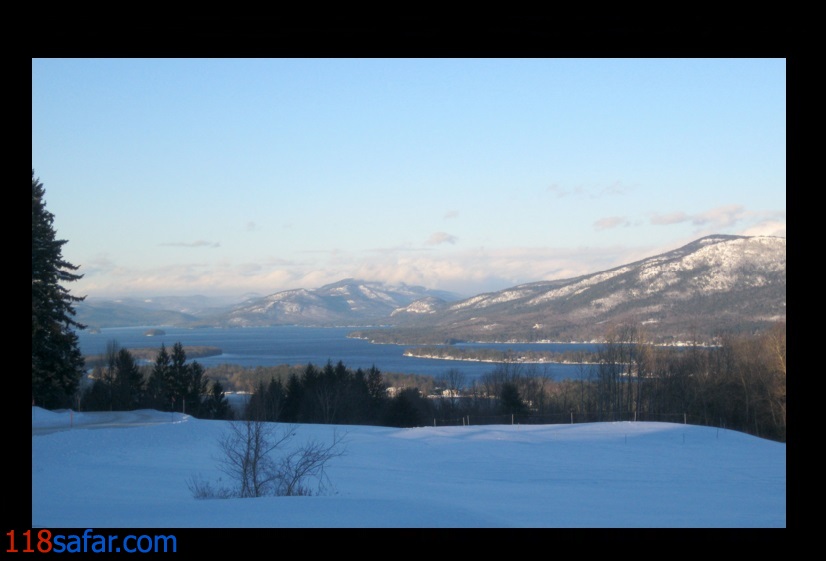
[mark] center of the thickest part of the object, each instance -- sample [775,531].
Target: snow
[579,286]
[130,470]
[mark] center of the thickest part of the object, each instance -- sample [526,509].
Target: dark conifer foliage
[510,401]
[407,409]
[175,385]
[216,405]
[118,382]
[332,394]
[158,393]
[128,382]
[57,364]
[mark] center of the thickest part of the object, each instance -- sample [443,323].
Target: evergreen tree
[407,409]
[177,382]
[377,390]
[295,397]
[128,382]
[216,405]
[57,364]
[275,396]
[256,408]
[510,401]
[158,394]
[184,384]
[195,388]
[96,397]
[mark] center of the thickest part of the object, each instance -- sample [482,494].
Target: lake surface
[271,346]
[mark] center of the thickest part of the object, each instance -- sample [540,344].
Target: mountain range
[347,302]
[714,285]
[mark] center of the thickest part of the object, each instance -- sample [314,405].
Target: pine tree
[57,364]
[510,401]
[196,384]
[216,404]
[294,401]
[177,379]
[128,382]
[157,390]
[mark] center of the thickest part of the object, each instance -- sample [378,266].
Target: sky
[227,177]
[131,470]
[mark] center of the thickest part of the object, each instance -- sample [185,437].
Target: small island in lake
[154,332]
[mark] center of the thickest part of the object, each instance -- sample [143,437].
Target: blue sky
[229,176]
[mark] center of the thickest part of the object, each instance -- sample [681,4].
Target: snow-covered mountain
[347,302]
[715,284]
[427,305]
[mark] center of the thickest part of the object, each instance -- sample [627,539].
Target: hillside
[347,302]
[132,472]
[713,285]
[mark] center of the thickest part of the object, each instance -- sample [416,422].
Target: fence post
[511,418]
[572,417]
[684,419]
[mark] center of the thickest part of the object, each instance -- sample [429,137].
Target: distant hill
[347,302]
[110,313]
[715,284]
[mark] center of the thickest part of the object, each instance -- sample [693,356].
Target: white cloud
[439,238]
[670,218]
[720,217]
[610,222]
[467,271]
[724,219]
[766,228]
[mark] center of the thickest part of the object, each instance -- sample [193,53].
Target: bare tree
[452,383]
[246,459]
[250,457]
[307,462]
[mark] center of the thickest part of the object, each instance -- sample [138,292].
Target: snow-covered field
[130,470]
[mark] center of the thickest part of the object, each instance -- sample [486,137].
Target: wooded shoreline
[150,353]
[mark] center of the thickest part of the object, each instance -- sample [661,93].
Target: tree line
[118,383]
[739,384]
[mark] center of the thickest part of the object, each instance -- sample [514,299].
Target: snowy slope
[127,470]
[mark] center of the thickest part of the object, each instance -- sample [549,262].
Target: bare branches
[306,463]
[255,456]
